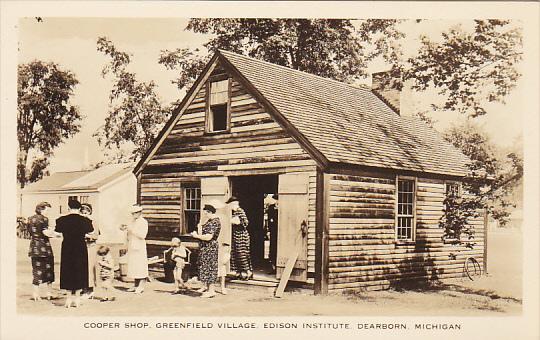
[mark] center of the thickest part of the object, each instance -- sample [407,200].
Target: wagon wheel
[472,268]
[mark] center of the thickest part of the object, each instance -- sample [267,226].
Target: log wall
[256,144]
[363,253]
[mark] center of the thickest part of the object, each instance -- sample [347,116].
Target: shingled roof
[349,124]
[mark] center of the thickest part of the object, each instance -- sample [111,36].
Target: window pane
[219,117]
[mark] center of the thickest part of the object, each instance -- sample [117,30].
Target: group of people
[82,266]
[82,270]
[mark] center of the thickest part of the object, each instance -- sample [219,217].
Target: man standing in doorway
[240,252]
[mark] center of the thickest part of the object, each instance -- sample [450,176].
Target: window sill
[405,243]
[220,132]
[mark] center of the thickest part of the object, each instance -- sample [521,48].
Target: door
[292,224]
[215,191]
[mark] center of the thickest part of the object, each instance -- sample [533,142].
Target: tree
[45,116]
[469,68]
[136,114]
[487,188]
[331,48]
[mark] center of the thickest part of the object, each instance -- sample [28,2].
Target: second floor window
[218,106]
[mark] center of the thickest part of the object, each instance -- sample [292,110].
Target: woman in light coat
[137,261]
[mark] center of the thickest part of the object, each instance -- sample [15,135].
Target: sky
[71,42]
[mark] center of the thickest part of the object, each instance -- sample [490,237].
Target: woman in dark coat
[74,255]
[208,250]
[41,251]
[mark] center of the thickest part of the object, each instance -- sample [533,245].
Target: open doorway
[257,196]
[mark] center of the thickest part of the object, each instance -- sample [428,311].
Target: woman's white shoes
[208,294]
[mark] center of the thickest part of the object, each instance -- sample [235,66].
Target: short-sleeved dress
[40,250]
[74,256]
[208,252]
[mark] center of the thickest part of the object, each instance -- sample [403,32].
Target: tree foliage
[136,114]
[470,68]
[491,180]
[331,48]
[45,116]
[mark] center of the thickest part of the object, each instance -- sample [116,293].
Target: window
[72,198]
[83,199]
[452,189]
[192,208]
[218,112]
[405,210]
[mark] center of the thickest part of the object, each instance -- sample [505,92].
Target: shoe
[201,290]
[139,291]
[224,291]
[36,297]
[249,274]
[68,302]
[51,296]
[131,289]
[208,295]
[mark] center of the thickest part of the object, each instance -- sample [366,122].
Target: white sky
[71,42]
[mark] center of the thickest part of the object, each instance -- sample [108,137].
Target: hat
[135,209]
[43,205]
[87,207]
[209,208]
[74,204]
[232,199]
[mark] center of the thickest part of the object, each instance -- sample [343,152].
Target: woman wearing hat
[208,250]
[86,211]
[41,251]
[74,256]
[137,261]
[240,252]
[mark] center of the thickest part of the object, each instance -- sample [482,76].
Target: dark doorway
[251,192]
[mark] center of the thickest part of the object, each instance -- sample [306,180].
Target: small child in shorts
[105,272]
[180,256]
[223,263]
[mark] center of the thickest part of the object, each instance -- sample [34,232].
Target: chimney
[387,85]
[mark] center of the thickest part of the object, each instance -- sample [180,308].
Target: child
[180,256]
[224,261]
[105,272]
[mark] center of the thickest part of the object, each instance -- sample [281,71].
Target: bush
[22,228]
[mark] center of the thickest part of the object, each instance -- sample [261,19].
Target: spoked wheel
[472,268]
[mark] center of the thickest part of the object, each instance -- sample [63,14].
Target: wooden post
[321,231]
[485,241]
[139,177]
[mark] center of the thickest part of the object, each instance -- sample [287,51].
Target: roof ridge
[358,87]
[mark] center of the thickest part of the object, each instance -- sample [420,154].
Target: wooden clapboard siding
[363,253]
[255,144]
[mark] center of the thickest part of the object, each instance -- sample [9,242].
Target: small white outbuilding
[111,190]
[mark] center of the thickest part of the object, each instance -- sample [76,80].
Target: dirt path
[491,295]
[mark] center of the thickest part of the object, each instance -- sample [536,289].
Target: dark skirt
[42,270]
[208,262]
[74,265]
[240,253]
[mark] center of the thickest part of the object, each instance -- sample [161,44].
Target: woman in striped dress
[240,251]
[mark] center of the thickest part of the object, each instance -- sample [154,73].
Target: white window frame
[209,128]
[185,200]
[414,180]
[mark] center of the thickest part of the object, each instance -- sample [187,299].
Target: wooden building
[360,187]
[111,190]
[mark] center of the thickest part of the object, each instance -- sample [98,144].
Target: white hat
[135,209]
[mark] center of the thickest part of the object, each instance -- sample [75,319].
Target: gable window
[218,116]
[405,218]
[192,207]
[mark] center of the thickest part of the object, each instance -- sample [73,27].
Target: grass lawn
[498,293]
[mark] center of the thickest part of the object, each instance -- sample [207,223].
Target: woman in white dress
[137,261]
